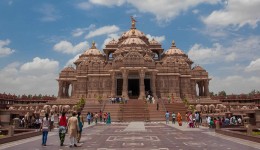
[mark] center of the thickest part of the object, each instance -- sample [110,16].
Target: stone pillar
[154,85]
[60,89]
[142,88]
[67,90]
[72,89]
[125,84]
[200,88]
[113,88]
[206,88]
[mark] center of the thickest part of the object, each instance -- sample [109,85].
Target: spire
[93,45]
[133,22]
[173,43]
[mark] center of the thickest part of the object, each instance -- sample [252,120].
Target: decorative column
[154,85]
[125,84]
[67,90]
[200,88]
[60,90]
[206,88]
[113,88]
[142,89]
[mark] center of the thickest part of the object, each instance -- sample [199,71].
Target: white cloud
[160,39]
[67,47]
[254,65]
[80,31]
[5,51]
[235,84]
[239,50]
[102,31]
[109,38]
[237,13]
[39,66]
[49,12]
[164,10]
[109,4]
[35,77]
[84,5]
[195,11]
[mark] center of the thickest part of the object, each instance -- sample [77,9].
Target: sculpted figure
[206,108]
[199,107]
[211,108]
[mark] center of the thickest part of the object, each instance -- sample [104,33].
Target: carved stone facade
[130,67]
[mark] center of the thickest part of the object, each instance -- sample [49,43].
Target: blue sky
[39,38]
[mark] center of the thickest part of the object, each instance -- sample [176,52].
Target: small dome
[113,42]
[198,68]
[154,42]
[133,40]
[173,50]
[68,69]
[93,51]
[133,32]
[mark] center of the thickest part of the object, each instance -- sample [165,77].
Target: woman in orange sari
[179,119]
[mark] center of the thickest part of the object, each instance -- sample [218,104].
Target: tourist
[208,120]
[239,120]
[73,127]
[108,120]
[190,120]
[104,117]
[179,119]
[62,128]
[167,116]
[45,126]
[211,123]
[52,121]
[88,118]
[96,117]
[173,117]
[197,119]
[81,124]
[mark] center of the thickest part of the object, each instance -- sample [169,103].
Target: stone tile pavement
[139,136]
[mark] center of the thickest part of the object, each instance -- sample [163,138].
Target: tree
[222,93]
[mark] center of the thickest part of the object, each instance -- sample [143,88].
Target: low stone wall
[237,134]
[19,136]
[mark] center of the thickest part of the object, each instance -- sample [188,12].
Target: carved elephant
[47,108]
[60,108]
[212,108]
[65,108]
[244,107]
[221,107]
[12,108]
[55,108]
[206,108]
[217,110]
[31,108]
[199,108]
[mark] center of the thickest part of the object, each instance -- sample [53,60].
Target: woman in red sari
[179,119]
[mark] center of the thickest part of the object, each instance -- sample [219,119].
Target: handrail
[103,105]
[162,101]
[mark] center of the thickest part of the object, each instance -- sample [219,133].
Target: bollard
[217,125]
[11,131]
[249,129]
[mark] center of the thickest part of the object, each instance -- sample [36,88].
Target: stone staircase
[135,110]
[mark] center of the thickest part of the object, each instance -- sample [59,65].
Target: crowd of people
[194,120]
[72,125]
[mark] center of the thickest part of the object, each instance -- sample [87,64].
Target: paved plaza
[139,136]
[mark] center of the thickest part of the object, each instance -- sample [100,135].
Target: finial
[93,45]
[173,43]
[133,22]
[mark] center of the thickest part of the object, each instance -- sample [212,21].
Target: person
[197,119]
[96,117]
[45,126]
[108,118]
[62,128]
[73,127]
[190,120]
[173,117]
[167,116]
[239,120]
[89,118]
[81,124]
[179,119]
[52,121]
[105,117]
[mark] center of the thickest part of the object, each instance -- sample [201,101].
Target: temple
[131,67]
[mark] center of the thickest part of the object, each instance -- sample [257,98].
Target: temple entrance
[133,88]
[119,86]
[147,86]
